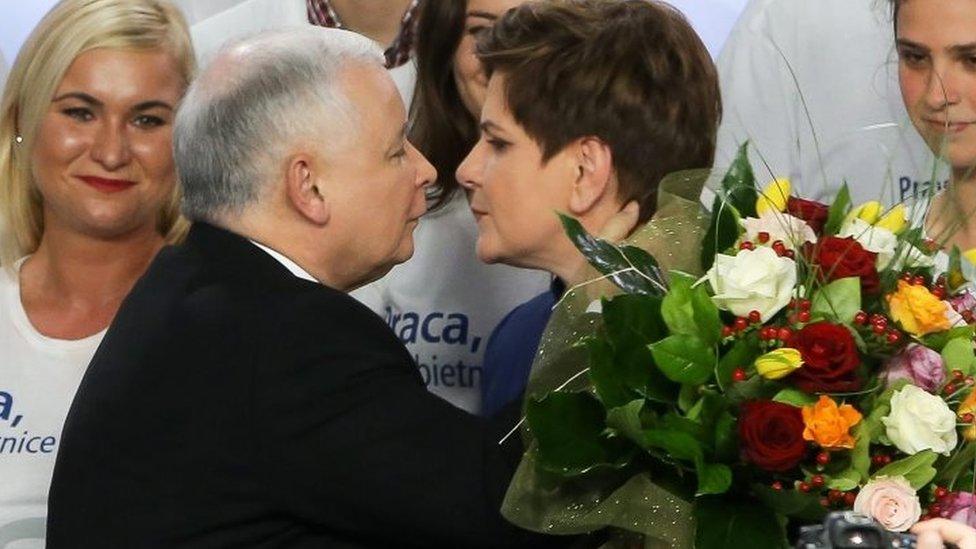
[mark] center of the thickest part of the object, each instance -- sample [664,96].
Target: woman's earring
[19,139]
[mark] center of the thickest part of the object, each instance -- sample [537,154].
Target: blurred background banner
[713,19]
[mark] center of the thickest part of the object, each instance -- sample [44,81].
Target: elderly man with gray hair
[241,398]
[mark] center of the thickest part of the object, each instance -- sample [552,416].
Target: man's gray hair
[255,99]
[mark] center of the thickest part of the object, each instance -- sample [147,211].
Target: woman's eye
[78,113]
[498,144]
[477,29]
[148,121]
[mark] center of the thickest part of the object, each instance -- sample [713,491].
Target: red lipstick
[105,184]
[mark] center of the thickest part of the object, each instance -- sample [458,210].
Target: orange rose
[917,310]
[828,424]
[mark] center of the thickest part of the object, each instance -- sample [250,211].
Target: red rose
[771,435]
[844,257]
[814,213]
[830,359]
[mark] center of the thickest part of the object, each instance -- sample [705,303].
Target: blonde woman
[88,195]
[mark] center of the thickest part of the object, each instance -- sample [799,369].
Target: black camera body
[848,530]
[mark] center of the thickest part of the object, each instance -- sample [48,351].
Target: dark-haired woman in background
[444,303]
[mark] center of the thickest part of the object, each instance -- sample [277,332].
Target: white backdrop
[711,18]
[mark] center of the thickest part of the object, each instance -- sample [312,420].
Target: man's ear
[302,181]
[594,171]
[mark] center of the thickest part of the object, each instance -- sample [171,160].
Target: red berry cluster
[935,509]
[800,310]
[778,246]
[959,380]
[880,329]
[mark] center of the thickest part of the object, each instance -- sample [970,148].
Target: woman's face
[514,195]
[469,75]
[102,159]
[936,42]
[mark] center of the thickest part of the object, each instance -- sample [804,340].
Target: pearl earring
[19,139]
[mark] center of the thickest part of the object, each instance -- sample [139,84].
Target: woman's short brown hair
[632,73]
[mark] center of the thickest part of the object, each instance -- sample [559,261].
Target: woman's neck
[73,284]
[952,213]
[377,19]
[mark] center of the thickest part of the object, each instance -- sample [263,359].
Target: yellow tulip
[869,212]
[779,363]
[774,196]
[895,220]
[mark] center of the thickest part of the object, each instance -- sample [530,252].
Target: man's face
[374,181]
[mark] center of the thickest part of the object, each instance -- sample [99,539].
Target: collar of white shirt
[292,267]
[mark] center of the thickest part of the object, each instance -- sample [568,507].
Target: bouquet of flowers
[823,362]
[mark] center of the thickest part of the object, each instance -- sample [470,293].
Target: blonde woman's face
[936,44]
[102,159]
[469,75]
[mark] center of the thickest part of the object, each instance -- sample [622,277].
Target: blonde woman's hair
[71,28]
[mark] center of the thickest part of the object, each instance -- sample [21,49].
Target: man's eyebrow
[904,42]
[963,48]
[491,127]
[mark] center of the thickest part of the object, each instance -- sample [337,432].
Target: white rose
[920,421]
[873,239]
[792,230]
[752,280]
[911,258]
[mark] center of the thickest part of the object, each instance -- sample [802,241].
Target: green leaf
[958,355]
[848,479]
[688,309]
[795,397]
[726,447]
[742,354]
[838,211]
[739,183]
[605,375]
[722,232]
[954,275]
[569,429]
[634,319]
[939,340]
[613,261]
[714,478]
[684,359]
[960,462]
[723,523]
[626,420]
[861,454]
[791,503]
[917,469]
[838,301]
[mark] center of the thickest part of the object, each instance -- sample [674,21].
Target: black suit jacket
[232,404]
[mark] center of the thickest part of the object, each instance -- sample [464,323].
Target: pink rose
[918,364]
[960,507]
[890,501]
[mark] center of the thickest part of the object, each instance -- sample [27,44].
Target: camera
[847,529]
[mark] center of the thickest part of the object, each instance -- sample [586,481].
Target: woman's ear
[302,189]
[594,174]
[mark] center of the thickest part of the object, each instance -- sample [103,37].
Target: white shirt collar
[292,267]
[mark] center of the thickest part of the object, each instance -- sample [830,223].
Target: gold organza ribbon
[635,504]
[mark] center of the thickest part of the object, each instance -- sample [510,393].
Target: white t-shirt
[443,303]
[248,17]
[38,379]
[842,53]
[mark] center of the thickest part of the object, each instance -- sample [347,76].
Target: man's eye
[498,144]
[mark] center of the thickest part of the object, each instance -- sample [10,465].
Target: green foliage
[917,469]
[723,523]
[791,503]
[939,340]
[795,397]
[961,463]
[838,301]
[741,355]
[570,430]
[684,358]
[722,233]
[630,268]
[689,310]
[838,211]
[739,183]
[958,355]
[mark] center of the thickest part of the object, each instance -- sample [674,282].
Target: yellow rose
[774,196]
[828,424]
[869,212]
[970,255]
[917,310]
[779,363]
